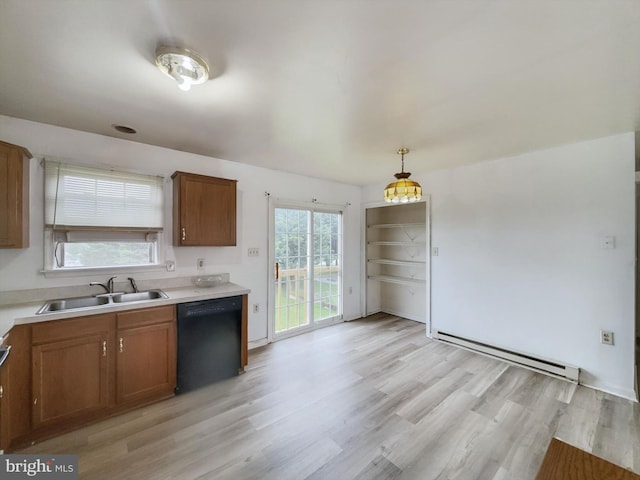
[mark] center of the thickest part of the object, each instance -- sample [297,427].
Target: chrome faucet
[133,285]
[110,283]
[94,284]
[108,287]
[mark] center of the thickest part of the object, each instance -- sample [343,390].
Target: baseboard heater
[549,367]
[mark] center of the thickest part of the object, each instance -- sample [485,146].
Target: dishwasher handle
[206,308]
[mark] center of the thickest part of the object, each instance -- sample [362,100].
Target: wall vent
[548,367]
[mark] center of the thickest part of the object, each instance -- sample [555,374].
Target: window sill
[81,272]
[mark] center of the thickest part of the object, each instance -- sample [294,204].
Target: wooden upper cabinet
[14,196]
[204,210]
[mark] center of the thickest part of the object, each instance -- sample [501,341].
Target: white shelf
[403,263]
[397,280]
[399,244]
[398,225]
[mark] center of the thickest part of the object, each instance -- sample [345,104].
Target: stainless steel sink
[72,303]
[138,296]
[64,304]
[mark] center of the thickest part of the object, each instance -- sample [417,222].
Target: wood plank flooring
[368,399]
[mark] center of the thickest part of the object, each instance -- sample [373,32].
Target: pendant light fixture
[183,65]
[403,190]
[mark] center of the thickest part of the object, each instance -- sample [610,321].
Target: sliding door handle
[277,271]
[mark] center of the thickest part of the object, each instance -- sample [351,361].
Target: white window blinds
[78,196]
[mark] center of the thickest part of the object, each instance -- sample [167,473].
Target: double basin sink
[106,299]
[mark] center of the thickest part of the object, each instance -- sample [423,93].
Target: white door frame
[312,207]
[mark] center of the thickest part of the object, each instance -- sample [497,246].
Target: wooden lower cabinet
[15,387]
[70,379]
[81,370]
[71,368]
[146,358]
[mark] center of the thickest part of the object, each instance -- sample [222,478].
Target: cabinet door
[204,210]
[14,196]
[70,378]
[15,387]
[146,362]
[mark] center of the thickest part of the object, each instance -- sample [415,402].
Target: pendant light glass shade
[403,190]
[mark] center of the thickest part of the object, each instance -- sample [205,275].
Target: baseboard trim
[408,316]
[538,364]
[261,342]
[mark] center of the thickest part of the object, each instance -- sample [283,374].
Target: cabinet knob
[184,234]
[121,345]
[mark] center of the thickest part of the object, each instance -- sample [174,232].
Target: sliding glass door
[307,275]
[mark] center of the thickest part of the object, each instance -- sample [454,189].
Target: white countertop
[26,313]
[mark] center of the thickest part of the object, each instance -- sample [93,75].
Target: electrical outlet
[256,307]
[253,252]
[171,266]
[606,337]
[200,264]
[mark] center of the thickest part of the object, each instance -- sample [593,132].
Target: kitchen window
[96,219]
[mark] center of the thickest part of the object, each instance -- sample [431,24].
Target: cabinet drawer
[146,316]
[55,330]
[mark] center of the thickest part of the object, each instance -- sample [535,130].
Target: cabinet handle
[104,348]
[184,234]
[1,391]
[121,345]
[35,400]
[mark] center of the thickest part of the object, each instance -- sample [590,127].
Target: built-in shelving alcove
[397,260]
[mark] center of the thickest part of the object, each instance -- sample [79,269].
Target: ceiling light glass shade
[403,190]
[185,66]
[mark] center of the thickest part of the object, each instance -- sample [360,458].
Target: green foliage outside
[98,254]
[293,254]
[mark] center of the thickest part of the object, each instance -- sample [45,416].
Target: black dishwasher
[208,341]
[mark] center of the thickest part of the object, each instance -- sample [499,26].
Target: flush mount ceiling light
[403,190]
[183,65]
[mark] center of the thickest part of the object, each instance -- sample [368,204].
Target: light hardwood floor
[369,399]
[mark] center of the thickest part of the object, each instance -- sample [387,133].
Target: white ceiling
[330,88]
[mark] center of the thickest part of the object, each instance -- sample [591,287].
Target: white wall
[20,269]
[520,263]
